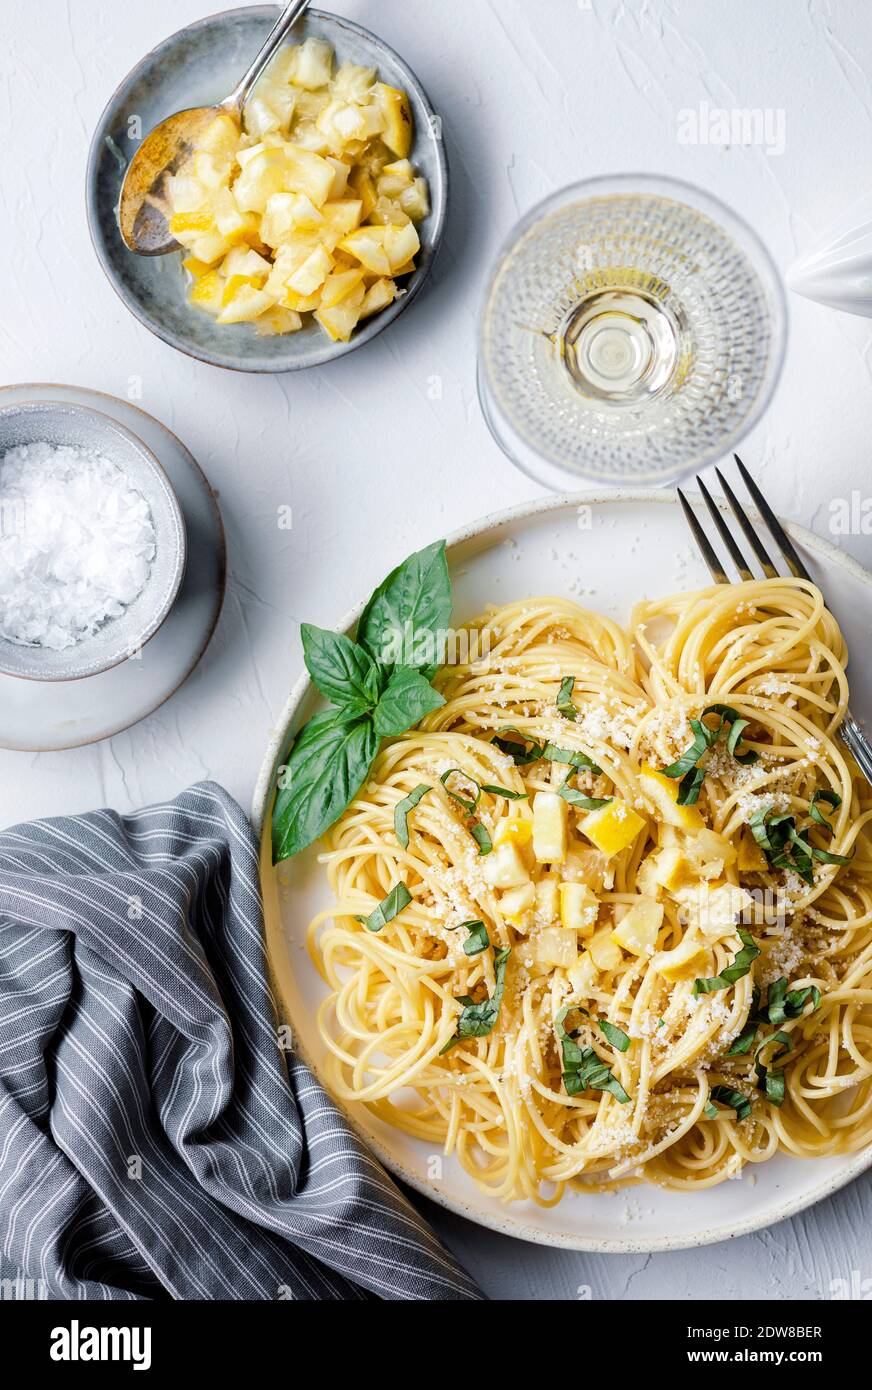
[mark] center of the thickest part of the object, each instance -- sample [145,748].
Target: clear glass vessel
[633,331]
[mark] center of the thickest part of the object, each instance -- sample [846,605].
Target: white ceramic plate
[636,545]
[41,716]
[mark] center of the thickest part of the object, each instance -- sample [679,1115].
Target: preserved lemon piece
[319,182]
[613,827]
[637,930]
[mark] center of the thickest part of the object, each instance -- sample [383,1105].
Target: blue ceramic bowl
[196,67]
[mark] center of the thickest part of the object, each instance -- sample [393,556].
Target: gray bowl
[195,67]
[56,422]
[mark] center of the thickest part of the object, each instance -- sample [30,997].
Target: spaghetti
[685,986]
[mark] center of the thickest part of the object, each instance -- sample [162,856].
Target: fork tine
[753,539]
[780,536]
[716,569]
[735,553]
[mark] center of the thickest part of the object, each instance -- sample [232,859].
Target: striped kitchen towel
[154,1139]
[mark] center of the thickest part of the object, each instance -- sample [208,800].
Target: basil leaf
[398,898]
[774,1086]
[482,838]
[783,1004]
[407,697]
[710,1111]
[735,1099]
[402,809]
[564,698]
[342,671]
[690,787]
[478,1020]
[572,756]
[830,799]
[733,738]
[741,965]
[455,796]
[594,1075]
[703,738]
[503,791]
[327,766]
[577,798]
[516,748]
[406,619]
[478,939]
[801,856]
[616,1036]
[743,1043]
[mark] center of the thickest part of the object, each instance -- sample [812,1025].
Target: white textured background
[384,450]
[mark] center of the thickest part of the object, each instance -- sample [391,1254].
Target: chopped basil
[743,1043]
[771,1079]
[402,809]
[478,939]
[455,796]
[740,967]
[564,698]
[786,848]
[480,834]
[503,791]
[830,799]
[725,1095]
[705,737]
[478,1020]
[783,1003]
[583,1068]
[398,898]
[572,756]
[616,1036]
[710,1111]
[577,798]
[516,748]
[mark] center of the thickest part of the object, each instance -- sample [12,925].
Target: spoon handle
[276,36]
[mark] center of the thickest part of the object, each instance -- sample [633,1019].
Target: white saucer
[40,716]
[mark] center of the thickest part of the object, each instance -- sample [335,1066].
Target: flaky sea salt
[76,548]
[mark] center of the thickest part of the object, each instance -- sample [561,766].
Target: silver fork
[850,732]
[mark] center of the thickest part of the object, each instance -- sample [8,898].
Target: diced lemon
[378,297]
[751,859]
[362,184]
[401,244]
[234,284]
[246,304]
[207,293]
[338,285]
[682,962]
[314,64]
[300,303]
[516,830]
[673,870]
[714,910]
[366,244]
[277,320]
[209,247]
[613,827]
[556,947]
[578,908]
[605,953]
[242,260]
[515,904]
[190,222]
[637,930]
[341,217]
[662,792]
[504,867]
[550,818]
[582,976]
[712,852]
[195,267]
[397,116]
[341,319]
[547,901]
[415,201]
[221,137]
[310,276]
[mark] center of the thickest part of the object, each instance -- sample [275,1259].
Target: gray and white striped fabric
[153,1140]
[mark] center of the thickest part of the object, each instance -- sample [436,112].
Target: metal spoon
[143,212]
